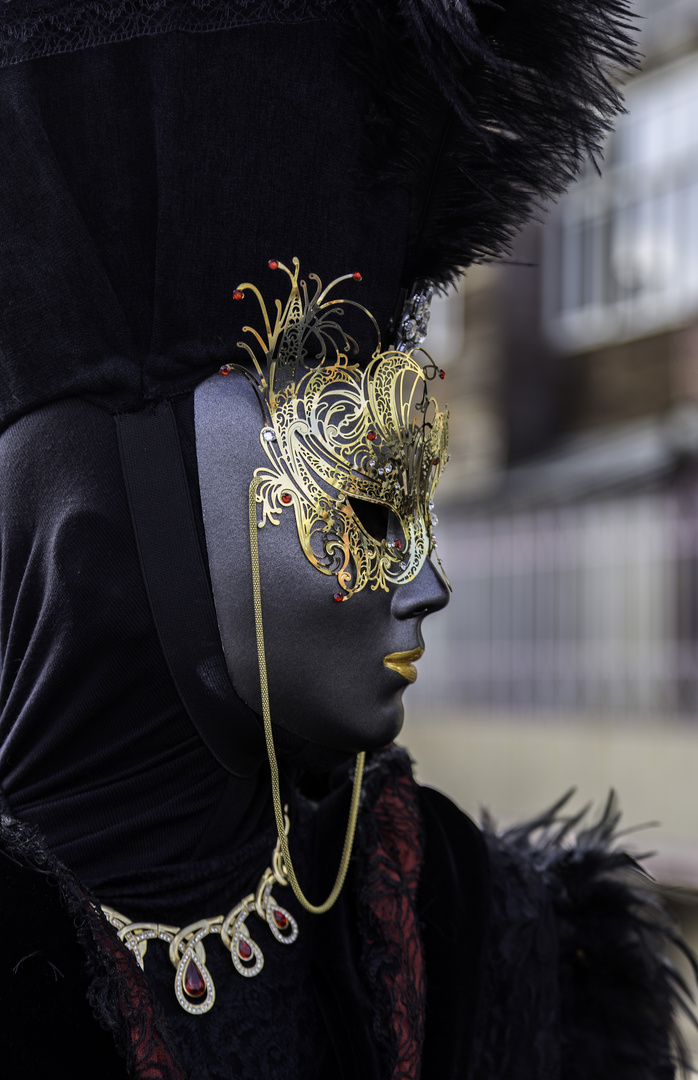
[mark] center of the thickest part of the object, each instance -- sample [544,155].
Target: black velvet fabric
[142,181]
[43,985]
[455,914]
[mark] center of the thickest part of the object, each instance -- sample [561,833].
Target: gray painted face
[327,681]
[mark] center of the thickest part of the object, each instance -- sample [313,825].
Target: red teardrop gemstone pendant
[244,949]
[280,919]
[194,985]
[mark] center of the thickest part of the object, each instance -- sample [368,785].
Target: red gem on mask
[356,275]
[398,544]
[280,919]
[286,499]
[436,461]
[238,295]
[194,985]
[442,374]
[273,264]
[244,949]
[338,597]
[371,436]
[225,370]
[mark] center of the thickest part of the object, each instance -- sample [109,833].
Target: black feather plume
[524,90]
[613,1009]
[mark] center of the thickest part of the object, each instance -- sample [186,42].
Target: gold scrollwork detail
[336,435]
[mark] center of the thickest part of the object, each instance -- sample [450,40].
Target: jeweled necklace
[194,988]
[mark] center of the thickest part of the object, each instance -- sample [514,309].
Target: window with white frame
[621,249]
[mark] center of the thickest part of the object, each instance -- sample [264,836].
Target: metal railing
[591,606]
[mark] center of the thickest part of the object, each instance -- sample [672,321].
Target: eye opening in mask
[375,517]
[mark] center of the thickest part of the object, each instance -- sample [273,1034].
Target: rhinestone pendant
[245,953]
[193,984]
[280,921]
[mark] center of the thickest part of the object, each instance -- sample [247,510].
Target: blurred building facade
[569,513]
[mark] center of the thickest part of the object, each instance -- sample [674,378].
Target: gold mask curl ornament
[333,433]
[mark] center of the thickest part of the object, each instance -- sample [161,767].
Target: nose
[426,593]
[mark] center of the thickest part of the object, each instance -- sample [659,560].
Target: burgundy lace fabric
[391,844]
[149,1057]
[34,28]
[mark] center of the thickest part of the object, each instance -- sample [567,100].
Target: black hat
[156,152]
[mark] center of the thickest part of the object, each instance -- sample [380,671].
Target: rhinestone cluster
[414,321]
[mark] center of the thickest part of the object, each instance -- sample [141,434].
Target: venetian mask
[340,439]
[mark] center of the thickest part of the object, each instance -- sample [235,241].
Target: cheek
[325,667]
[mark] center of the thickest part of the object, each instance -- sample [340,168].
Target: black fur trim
[485,109]
[118,993]
[613,1003]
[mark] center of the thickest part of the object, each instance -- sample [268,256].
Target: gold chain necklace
[315,909]
[193,985]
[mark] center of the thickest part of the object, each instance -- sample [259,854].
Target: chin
[383,724]
[370,725]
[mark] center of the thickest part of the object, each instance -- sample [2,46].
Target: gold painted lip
[402,662]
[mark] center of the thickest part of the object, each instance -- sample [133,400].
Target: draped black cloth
[96,747]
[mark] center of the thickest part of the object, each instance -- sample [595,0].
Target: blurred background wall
[568,656]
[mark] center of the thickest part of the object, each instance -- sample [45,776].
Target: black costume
[154,154]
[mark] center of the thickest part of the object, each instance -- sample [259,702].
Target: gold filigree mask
[337,437]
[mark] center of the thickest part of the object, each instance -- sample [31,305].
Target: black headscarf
[97,748]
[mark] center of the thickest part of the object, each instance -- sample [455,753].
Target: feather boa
[578,949]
